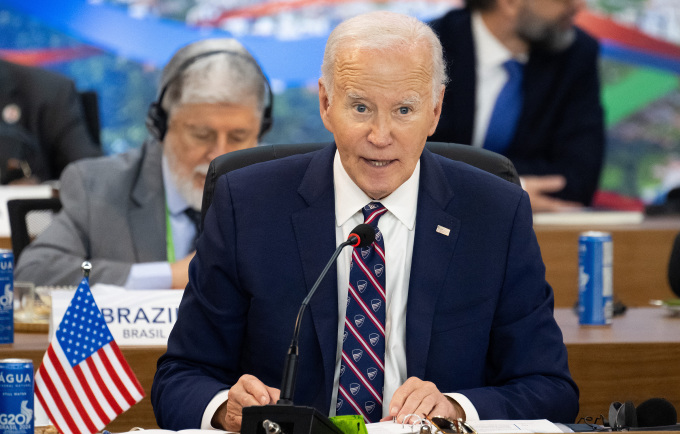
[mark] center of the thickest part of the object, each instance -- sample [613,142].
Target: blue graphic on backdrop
[153,40]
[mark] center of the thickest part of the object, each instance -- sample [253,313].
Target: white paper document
[483,426]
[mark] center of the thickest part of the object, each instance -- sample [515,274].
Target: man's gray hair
[213,71]
[384,31]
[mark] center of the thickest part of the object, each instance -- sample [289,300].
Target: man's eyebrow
[196,126]
[354,95]
[414,100]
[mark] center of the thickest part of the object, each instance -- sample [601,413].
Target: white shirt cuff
[212,407]
[149,275]
[469,409]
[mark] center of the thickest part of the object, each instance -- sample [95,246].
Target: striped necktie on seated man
[362,369]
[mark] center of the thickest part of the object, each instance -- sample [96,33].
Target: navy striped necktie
[362,369]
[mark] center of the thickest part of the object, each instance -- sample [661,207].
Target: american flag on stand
[84,382]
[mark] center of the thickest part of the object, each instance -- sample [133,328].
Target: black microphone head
[365,234]
[656,412]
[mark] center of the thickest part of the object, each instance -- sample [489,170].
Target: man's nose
[220,147]
[381,131]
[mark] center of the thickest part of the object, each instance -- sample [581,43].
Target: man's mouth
[379,163]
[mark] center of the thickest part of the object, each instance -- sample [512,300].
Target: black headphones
[655,414]
[157,117]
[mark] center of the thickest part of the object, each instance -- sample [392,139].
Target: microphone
[656,412]
[361,236]
[299,419]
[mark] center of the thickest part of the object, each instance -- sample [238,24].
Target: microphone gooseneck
[362,235]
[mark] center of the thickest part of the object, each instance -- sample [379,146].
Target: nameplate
[135,317]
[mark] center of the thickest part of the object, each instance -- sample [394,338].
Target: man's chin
[556,41]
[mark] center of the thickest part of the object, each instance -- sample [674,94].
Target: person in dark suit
[469,330]
[42,126]
[134,215]
[558,140]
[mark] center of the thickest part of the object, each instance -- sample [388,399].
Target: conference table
[635,358]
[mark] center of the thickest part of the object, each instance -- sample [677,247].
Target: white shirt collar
[173,200]
[490,51]
[349,198]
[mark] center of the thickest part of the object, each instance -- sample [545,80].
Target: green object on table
[350,424]
[672,302]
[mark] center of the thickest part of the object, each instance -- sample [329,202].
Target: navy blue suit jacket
[561,127]
[480,313]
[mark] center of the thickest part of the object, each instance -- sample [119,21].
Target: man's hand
[538,188]
[247,391]
[423,398]
[180,271]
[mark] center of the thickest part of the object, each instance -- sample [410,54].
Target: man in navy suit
[558,142]
[469,328]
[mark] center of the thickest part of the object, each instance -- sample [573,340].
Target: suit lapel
[432,252]
[147,207]
[314,229]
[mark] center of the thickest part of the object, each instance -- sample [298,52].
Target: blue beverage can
[6,296]
[595,291]
[16,396]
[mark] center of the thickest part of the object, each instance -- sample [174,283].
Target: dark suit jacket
[113,215]
[561,127]
[480,313]
[51,118]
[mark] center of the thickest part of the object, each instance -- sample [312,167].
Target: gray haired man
[133,215]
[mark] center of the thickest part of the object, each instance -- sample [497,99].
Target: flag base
[291,419]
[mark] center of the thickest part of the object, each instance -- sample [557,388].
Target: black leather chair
[28,218]
[478,157]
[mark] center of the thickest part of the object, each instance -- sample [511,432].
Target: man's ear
[437,111]
[509,8]
[324,105]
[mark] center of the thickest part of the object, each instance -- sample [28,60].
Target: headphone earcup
[622,415]
[157,121]
[267,119]
[630,415]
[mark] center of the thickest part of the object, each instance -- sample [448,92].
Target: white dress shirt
[158,275]
[491,75]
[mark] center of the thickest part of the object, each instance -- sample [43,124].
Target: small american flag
[84,382]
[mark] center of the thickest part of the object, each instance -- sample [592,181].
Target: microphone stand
[290,368]
[289,418]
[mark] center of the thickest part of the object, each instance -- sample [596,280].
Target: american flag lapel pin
[442,230]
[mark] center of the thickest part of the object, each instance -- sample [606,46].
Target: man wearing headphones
[135,215]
